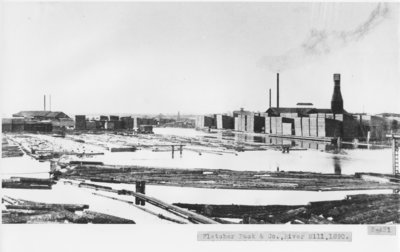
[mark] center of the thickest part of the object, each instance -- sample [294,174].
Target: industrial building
[21,124]
[304,121]
[59,120]
[37,121]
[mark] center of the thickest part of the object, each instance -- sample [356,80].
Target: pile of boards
[27,183]
[23,211]
[8,150]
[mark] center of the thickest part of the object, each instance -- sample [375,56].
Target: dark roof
[318,110]
[301,111]
[242,112]
[325,111]
[41,113]
[298,110]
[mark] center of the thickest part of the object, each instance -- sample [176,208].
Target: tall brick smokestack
[270,98]
[44,102]
[337,100]
[277,90]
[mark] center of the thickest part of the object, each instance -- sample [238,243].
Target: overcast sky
[198,57]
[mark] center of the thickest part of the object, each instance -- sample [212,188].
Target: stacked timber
[278,124]
[298,126]
[273,125]
[100,125]
[91,125]
[123,149]
[11,151]
[110,125]
[328,127]
[287,129]
[6,125]
[27,183]
[22,211]
[249,123]
[313,125]
[267,124]
[224,122]
[8,150]
[259,123]
[236,121]
[127,122]
[242,122]
[305,122]
[205,121]
[80,122]
[18,124]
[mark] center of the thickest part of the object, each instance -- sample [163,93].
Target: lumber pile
[22,211]
[8,150]
[27,183]
[355,209]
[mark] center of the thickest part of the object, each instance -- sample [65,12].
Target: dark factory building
[306,120]
[41,115]
[38,126]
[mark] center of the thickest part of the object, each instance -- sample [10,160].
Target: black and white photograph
[162,115]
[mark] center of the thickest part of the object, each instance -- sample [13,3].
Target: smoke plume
[322,42]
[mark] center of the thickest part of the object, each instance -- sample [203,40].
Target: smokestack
[277,90]
[337,100]
[270,98]
[50,102]
[44,102]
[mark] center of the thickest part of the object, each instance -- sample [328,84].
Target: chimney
[277,90]
[44,102]
[49,102]
[270,98]
[337,100]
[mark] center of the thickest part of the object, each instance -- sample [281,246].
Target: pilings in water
[173,150]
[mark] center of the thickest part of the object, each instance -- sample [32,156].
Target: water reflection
[337,166]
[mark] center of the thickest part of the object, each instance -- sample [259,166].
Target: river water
[353,160]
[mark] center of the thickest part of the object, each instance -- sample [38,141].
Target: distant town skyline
[198,58]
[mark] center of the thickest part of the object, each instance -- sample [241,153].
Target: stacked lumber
[313,125]
[27,183]
[305,123]
[22,211]
[298,126]
[267,124]
[8,150]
